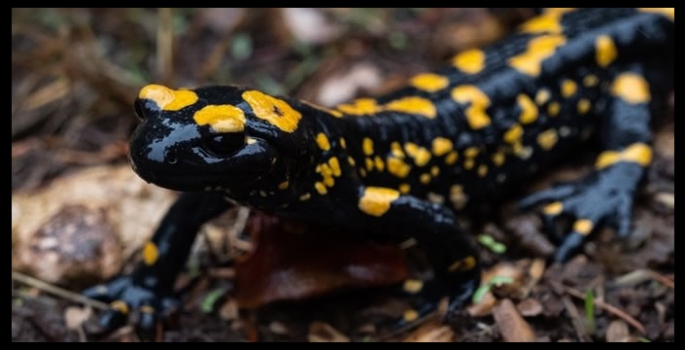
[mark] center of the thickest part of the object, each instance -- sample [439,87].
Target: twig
[46,287]
[668,282]
[606,307]
[576,320]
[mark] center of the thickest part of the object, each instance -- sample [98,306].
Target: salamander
[404,164]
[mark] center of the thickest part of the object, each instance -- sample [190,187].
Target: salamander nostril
[170,156]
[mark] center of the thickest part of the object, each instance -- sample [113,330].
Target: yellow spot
[335,166]
[553,109]
[529,111]
[343,144]
[320,187]
[482,170]
[590,80]
[455,266]
[441,146]
[568,88]
[222,118]
[583,106]
[553,208]
[465,264]
[351,161]
[523,152]
[435,198]
[458,197]
[283,185]
[412,105]
[329,181]
[471,152]
[470,61]
[412,286]
[376,201]
[548,138]
[120,306]
[514,134]
[411,148]
[498,158]
[150,253]
[542,97]
[666,11]
[435,171]
[396,149]
[273,110]
[398,167]
[421,156]
[147,309]
[324,170]
[583,226]
[369,164]
[410,315]
[379,163]
[539,49]
[167,99]
[469,263]
[367,146]
[362,172]
[305,197]
[479,102]
[639,153]
[429,82]
[548,22]
[631,87]
[405,188]
[425,178]
[322,141]
[605,50]
[469,164]
[451,158]
[360,106]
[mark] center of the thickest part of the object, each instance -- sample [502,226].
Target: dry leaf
[75,316]
[529,307]
[512,326]
[617,332]
[323,332]
[431,332]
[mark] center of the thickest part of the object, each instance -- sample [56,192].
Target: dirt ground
[80,215]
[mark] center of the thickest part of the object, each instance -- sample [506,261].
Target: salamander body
[403,164]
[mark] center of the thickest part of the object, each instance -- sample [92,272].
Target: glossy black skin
[170,150]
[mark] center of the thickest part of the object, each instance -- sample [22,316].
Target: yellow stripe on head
[167,99]
[222,118]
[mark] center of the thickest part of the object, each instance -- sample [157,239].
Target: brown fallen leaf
[75,316]
[529,307]
[617,332]
[323,332]
[293,261]
[512,326]
[484,307]
[431,332]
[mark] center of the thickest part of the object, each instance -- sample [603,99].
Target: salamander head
[211,137]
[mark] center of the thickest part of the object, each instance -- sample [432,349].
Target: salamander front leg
[453,259]
[605,196]
[149,289]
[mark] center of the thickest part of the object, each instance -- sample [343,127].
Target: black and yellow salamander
[403,164]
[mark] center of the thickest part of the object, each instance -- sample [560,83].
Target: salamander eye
[225,144]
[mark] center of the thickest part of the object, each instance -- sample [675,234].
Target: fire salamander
[403,164]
